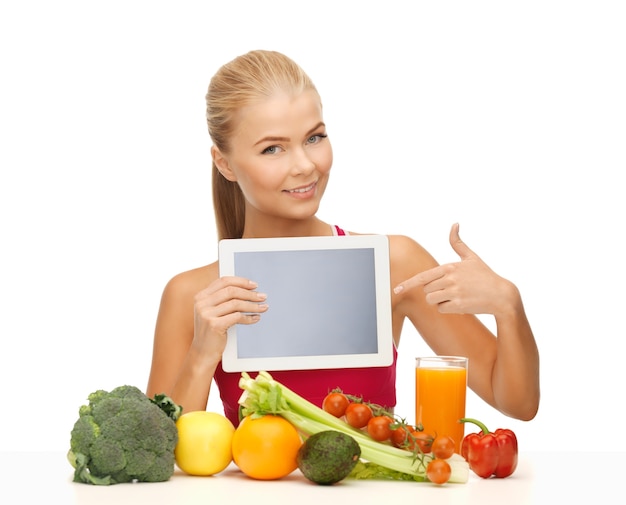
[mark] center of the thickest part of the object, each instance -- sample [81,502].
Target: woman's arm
[177,370]
[196,310]
[442,302]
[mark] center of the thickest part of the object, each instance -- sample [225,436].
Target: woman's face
[280,156]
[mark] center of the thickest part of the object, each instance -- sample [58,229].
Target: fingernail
[261,296]
[398,289]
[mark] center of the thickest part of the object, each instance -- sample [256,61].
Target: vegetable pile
[124,436]
[381,458]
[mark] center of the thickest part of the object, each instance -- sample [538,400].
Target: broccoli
[124,436]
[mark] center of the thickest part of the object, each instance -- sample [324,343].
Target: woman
[271,163]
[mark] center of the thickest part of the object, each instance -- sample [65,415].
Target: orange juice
[440,390]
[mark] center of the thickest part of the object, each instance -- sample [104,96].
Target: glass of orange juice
[440,390]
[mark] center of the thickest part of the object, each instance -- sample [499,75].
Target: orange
[266,448]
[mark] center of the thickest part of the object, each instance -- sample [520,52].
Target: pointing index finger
[420,279]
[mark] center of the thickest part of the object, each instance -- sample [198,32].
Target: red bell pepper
[490,453]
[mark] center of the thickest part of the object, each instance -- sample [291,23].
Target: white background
[508,117]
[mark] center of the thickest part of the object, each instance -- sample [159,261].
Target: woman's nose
[301,162]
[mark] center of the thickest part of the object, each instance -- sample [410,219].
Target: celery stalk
[264,395]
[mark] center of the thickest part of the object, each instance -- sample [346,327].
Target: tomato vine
[381,423]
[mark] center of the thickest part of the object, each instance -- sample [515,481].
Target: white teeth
[302,190]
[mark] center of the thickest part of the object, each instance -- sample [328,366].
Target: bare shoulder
[187,284]
[404,247]
[407,257]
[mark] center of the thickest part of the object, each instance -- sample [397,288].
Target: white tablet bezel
[379,244]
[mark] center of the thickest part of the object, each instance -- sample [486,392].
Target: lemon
[204,444]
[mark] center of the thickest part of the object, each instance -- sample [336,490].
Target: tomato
[378,427]
[407,437]
[204,442]
[438,471]
[358,414]
[423,440]
[443,447]
[335,403]
[266,448]
[400,437]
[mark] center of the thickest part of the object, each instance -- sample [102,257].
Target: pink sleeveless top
[376,384]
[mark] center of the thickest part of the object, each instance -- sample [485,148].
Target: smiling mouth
[302,190]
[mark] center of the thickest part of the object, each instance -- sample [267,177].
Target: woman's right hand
[225,302]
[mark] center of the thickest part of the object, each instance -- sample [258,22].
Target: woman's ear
[222,164]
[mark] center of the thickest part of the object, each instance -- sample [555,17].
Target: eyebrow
[287,139]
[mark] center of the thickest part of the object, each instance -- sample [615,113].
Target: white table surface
[46,477]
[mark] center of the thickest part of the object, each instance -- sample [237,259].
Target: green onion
[264,395]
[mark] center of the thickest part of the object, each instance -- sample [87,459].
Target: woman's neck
[311,227]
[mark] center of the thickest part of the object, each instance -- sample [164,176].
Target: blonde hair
[248,78]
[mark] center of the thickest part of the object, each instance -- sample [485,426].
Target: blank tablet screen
[325,308]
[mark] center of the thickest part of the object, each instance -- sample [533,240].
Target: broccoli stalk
[167,405]
[124,436]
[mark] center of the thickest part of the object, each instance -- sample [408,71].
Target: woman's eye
[314,139]
[271,150]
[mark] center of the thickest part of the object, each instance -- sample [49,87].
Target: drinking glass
[440,391]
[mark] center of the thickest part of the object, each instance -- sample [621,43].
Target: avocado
[328,456]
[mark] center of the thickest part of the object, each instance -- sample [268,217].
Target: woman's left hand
[465,287]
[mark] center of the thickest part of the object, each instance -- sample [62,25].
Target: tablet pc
[329,303]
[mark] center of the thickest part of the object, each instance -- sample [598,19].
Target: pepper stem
[476,422]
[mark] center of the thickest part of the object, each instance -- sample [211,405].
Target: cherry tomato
[407,437]
[400,436]
[335,403]
[423,440]
[378,428]
[358,414]
[443,447]
[438,471]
